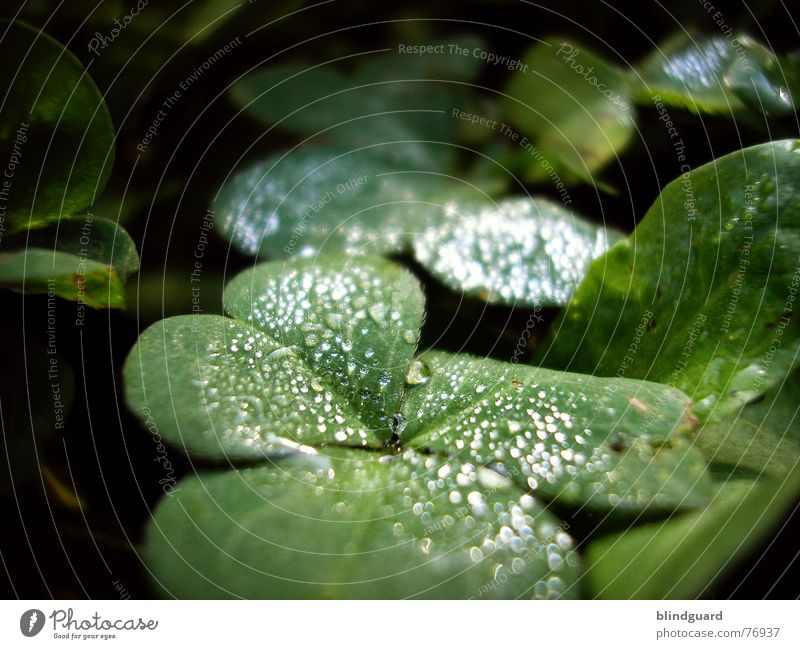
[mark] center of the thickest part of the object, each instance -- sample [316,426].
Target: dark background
[69,530]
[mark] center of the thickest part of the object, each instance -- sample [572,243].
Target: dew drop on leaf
[418,373]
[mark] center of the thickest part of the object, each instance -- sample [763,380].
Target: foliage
[578,108]
[320,353]
[54,121]
[311,201]
[423,380]
[706,284]
[57,135]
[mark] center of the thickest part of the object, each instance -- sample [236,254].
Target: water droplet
[425,546]
[378,313]
[399,424]
[281,352]
[418,373]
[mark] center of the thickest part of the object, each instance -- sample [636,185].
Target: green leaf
[689,71]
[383,98]
[311,201]
[606,444]
[320,353]
[318,356]
[765,82]
[682,557]
[719,75]
[356,322]
[82,258]
[761,436]
[221,389]
[702,293]
[56,134]
[349,524]
[317,200]
[573,106]
[520,250]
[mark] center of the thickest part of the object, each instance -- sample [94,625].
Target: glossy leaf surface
[55,130]
[605,443]
[318,356]
[83,258]
[701,295]
[573,107]
[350,524]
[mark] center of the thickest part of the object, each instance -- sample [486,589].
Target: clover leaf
[346,524]
[82,258]
[320,353]
[55,130]
[513,251]
[321,200]
[573,107]
[620,443]
[701,295]
[719,75]
[57,135]
[576,109]
[315,200]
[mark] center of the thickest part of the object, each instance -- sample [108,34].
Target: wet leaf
[55,130]
[765,82]
[354,321]
[317,200]
[573,107]
[761,436]
[602,443]
[312,201]
[81,258]
[318,356]
[701,295]
[520,250]
[719,75]
[689,71]
[349,524]
[682,557]
[321,352]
